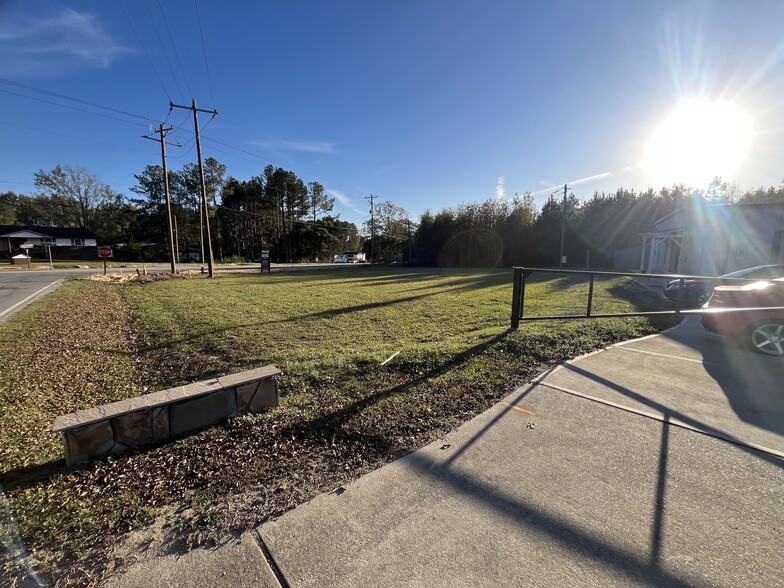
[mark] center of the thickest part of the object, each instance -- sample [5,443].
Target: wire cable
[176,53]
[147,119]
[165,54]
[204,49]
[73,108]
[138,38]
[93,141]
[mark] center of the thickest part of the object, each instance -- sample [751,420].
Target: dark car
[761,330]
[696,291]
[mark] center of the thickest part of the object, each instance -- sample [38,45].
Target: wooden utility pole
[204,207]
[563,227]
[409,240]
[162,135]
[372,228]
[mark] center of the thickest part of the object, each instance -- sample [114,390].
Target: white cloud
[345,201]
[340,197]
[50,44]
[500,188]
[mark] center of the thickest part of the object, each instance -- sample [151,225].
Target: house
[64,242]
[714,239]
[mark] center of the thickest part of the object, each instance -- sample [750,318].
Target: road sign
[27,246]
[104,252]
[265,261]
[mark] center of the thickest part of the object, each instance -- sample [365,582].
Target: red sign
[104,252]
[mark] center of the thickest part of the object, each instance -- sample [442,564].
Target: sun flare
[699,141]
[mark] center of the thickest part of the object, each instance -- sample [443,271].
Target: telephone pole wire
[162,134]
[204,206]
[372,229]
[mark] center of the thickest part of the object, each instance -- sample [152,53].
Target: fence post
[517,296]
[590,297]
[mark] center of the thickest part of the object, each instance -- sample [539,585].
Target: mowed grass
[343,411]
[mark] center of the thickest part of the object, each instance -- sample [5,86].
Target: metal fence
[521,273]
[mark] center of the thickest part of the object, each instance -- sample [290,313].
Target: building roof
[52,232]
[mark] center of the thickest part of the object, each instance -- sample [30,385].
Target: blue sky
[424,103]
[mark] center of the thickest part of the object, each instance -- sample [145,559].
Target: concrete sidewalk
[579,479]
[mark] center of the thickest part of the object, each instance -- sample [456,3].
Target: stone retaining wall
[128,424]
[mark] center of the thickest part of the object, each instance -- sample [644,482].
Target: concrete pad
[239,564]
[696,378]
[547,489]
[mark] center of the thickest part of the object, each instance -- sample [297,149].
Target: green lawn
[342,413]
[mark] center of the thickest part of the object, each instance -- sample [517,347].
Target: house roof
[721,206]
[52,232]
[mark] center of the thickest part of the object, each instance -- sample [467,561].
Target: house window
[78,242]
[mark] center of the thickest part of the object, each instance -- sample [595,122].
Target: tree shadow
[671,415]
[559,529]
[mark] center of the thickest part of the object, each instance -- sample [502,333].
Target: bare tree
[78,192]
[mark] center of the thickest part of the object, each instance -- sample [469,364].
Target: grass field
[342,412]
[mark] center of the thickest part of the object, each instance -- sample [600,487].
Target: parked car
[761,330]
[696,291]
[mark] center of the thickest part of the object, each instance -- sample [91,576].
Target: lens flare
[699,141]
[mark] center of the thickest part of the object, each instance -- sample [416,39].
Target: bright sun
[698,142]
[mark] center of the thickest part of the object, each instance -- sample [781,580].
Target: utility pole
[177,239]
[162,134]
[563,227]
[372,228]
[409,240]
[204,208]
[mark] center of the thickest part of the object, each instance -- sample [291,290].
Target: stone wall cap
[161,398]
[231,380]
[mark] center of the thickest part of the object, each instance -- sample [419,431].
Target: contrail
[583,180]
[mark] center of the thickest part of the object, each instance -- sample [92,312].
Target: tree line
[278,211]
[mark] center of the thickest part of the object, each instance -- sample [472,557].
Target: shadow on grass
[319,315]
[334,420]
[321,427]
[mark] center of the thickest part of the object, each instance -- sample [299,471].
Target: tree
[390,231]
[78,191]
[8,202]
[319,200]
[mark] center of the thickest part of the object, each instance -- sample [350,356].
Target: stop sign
[104,252]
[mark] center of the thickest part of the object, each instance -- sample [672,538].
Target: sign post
[27,247]
[48,244]
[265,261]
[104,253]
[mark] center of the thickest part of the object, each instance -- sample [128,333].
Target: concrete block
[200,412]
[266,396]
[134,429]
[160,423]
[88,441]
[245,395]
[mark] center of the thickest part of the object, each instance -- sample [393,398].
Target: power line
[72,108]
[176,54]
[152,65]
[165,54]
[204,49]
[148,119]
[73,137]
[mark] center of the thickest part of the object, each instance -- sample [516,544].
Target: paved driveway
[690,377]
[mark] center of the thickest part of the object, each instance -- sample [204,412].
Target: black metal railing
[521,273]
